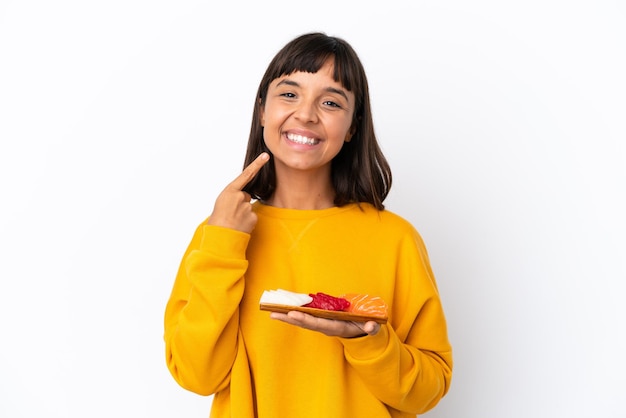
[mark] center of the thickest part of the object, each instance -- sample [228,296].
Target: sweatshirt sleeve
[408,364]
[202,313]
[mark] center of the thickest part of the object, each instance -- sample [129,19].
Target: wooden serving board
[322,313]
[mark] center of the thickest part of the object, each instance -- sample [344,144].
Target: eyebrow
[328,89]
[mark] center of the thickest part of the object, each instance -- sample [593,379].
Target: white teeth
[299,139]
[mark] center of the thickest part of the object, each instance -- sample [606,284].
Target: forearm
[400,375]
[202,314]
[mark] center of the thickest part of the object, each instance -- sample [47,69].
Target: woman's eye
[289,95]
[331,104]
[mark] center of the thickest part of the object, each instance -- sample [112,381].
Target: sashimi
[328,302]
[366,304]
[285,297]
[347,307]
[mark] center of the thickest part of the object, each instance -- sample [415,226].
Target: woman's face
[306,118]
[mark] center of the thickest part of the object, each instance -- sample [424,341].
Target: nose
[306,111]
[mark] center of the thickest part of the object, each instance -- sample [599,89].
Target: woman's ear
[350,133]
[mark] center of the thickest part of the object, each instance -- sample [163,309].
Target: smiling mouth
[299,139]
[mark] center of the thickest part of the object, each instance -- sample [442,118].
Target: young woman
[307,215]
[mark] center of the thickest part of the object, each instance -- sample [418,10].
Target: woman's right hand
[233,207]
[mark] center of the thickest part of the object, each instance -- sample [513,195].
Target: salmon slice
[366,305]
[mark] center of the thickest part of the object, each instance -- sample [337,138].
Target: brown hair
[360,172]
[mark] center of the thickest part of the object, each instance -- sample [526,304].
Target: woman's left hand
[330,327]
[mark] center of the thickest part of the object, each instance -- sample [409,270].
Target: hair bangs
[309,54]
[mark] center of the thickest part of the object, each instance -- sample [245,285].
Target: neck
[303,191]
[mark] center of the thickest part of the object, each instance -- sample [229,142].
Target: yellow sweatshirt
[219,342]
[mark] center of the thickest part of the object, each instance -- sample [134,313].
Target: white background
[504,122]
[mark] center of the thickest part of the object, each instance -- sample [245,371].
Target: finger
[360,326]
[330,327]
[300,319]
[371,327]
[250,171]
